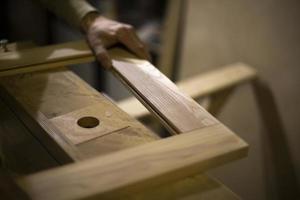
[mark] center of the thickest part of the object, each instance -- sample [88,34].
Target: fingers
[100,52]
[128,37]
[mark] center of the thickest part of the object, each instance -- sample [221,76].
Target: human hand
[102,33]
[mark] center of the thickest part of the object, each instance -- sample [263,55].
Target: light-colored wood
[108,123]
[51,94]
[45,55]
[179,111]
[200,86]
[48,96]
[124,172]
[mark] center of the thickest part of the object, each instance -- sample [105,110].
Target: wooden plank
[132,169]
[199,86]
[44,55]
[158,93]
[50,99]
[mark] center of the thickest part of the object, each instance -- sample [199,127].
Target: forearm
[72,11]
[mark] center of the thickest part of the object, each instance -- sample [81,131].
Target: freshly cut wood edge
[199,86]
[135,169]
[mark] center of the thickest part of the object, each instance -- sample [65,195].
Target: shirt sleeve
[72,11]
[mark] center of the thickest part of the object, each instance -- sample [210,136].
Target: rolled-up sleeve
[72,11]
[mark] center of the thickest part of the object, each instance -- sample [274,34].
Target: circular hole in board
[88,122]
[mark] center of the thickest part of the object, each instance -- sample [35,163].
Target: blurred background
[206,35]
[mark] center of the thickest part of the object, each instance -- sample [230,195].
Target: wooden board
[49,97]
[42,58]
[159,94]
[133,169]
[199,86]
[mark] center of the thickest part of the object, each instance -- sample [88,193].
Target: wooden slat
[200,86]
[112,142]
[47,55]
[133,169]
[158,93]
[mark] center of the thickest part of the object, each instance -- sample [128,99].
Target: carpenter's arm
[100,32]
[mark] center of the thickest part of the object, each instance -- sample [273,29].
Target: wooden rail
[205,144]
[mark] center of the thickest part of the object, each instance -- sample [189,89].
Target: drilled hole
[88,122]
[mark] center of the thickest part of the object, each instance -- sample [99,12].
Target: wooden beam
[133,169]
[177,111]
[42,58]
[200,86]
[232,147]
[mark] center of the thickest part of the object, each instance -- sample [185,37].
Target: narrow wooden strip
[44,55]
[133,169]
[199,86]
[179,111]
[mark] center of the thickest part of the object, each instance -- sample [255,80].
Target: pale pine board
[200,86]
[134,169]
[179,111]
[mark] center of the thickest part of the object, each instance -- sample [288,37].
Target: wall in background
[266,35]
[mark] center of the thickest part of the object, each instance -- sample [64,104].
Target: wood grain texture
[45,56]
[200,86]
[47,96]
[133,169]
[178,110]
[50,91]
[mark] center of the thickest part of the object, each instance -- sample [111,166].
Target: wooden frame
[136,168]
[205,144]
